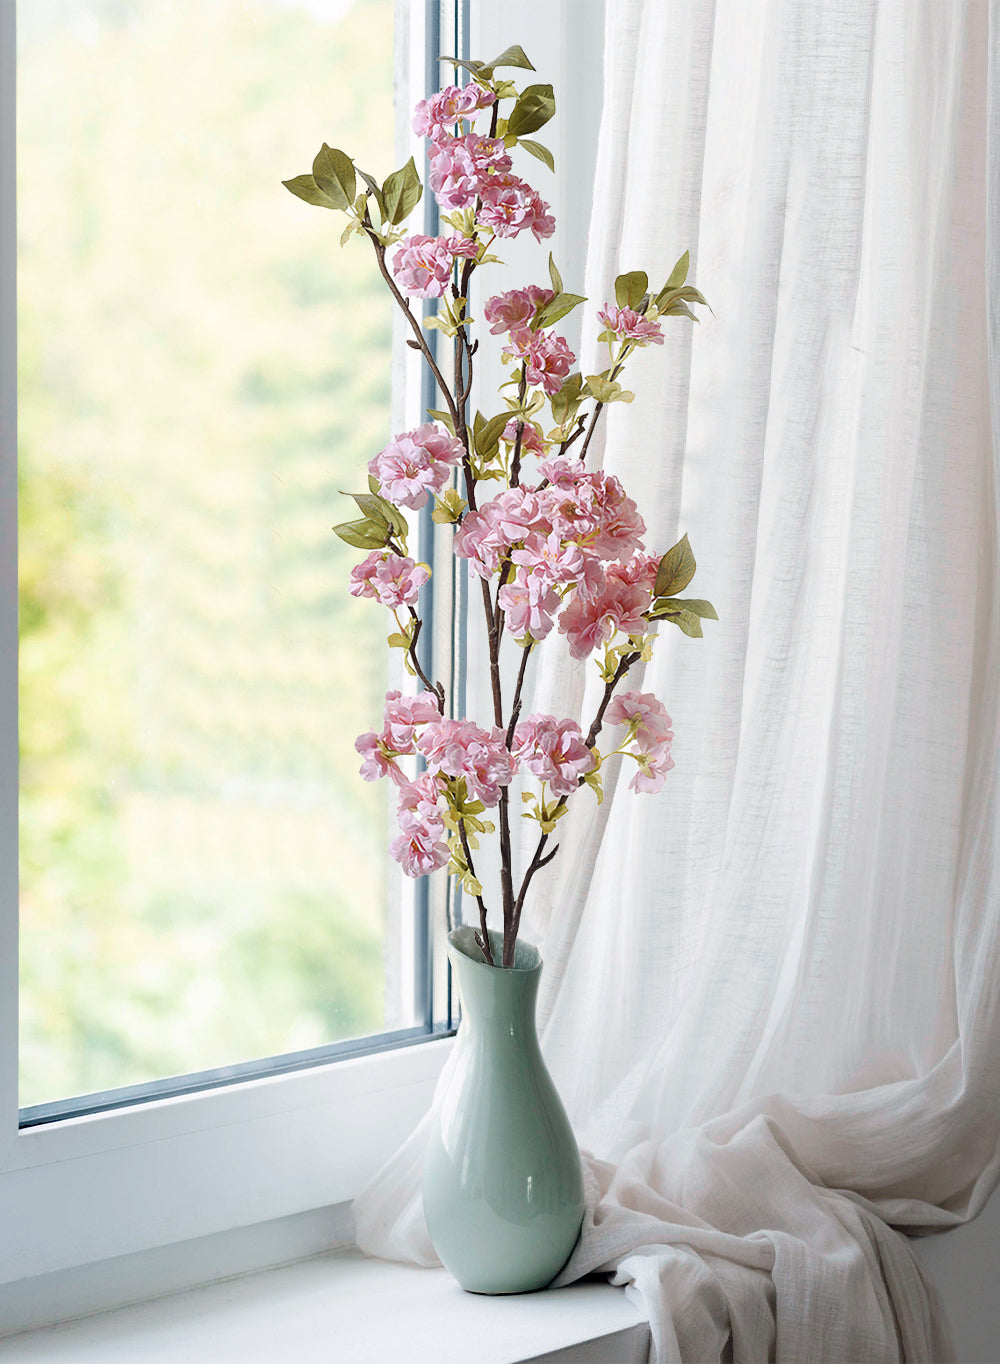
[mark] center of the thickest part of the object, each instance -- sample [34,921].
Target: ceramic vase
[503,1185]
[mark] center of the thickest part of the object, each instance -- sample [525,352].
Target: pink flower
[593,510]
[641,569]
[462,166]
[487,535]
[422,266]
[529,602]
[549,558]
[515,310]
[404,715]
[547,362]
[631,326]
[465,247]
[421,797]
[547,358]
[554,750]
[418,849]
[444,109]
[510,207]
[650,777]
[653,727]
[653,736]
[392,580]
[531,438]
[592,620]
[415,464]
[379,761]
[460,748]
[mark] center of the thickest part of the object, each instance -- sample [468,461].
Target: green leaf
[363,534]
[305,187]
[535,106]
[401,192]
[377,193]
[510,56]
[469,65]
[630,289]
[334,174]
[370,506]
[555,276]
[567,400]
[608,390]
[676,570]
[679,273]
[688,622]
[695,605]
[374,485]
[536,149]
[558,307]
[443,417]
[488,436]
[396,641]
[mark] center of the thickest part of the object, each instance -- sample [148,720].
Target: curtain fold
[770,997]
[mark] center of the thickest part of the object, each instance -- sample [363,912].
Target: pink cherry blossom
[529,602]
[391,579]
[444,109]
[422,266]
[465,247]
[404,715]
[592,620]
[510,207]
[631,326]
[415,464]
[515,310]
[645,708]
[531,438]
[554,750]
[651,778]
[419,848]
[379,760]
[549,558]
[641,569]
[460,748]
[422,797]
[487,535]
[461,167]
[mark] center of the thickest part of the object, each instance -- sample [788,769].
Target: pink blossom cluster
[462,167]
[468,168]
[420,846]
[459,748]
[516,309]
[422,266]
[547,359]
[652,739]
[415,464]
[402,717]
[391,579]
[574,545]
[532,442]
[631,326]
[448,106]
[554,751]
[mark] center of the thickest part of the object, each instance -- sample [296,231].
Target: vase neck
[496,998]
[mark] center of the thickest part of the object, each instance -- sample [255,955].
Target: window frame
[164,1169]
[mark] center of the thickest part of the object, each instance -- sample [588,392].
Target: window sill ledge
[368,1311]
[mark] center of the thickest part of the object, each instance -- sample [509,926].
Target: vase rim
[527,958]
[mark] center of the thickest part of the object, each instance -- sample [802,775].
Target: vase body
[503,1186]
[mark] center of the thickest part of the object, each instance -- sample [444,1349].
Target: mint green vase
[503,1186]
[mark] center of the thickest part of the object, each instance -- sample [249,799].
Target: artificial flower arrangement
[555,546]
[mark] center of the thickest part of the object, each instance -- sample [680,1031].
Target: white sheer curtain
[770,999]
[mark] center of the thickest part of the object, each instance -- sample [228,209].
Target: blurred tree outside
[201,370]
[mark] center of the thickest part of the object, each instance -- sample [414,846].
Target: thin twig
[435,687]
[483,938]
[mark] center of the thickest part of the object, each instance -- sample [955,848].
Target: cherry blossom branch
[515,463]
[515,709]
[435,687]
[414,324]
[483,936]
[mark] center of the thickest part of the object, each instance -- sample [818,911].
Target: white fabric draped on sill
[770,997]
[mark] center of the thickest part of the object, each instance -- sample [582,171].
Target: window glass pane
[201,369]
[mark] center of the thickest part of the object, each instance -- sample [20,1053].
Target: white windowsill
[352,1310]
